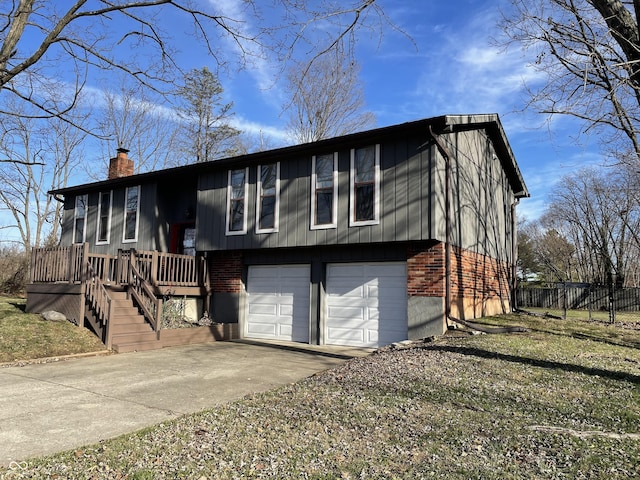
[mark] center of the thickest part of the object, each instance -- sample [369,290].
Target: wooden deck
[120,297]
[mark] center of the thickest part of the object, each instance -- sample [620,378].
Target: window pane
[236,217]
[267,211]
[237,183]
[79,238]
[268,179]
[324,207]
[131,214]
[130,226]
[81,206]
[132,199]
[80,214]
[324,171]
[364,202]
[364,164]
[103,220]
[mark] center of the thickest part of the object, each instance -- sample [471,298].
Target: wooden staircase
[129,330]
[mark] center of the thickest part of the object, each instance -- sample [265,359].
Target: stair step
[117,293]
[121,302]
[124,328]
[134,337]
[130,311]
[118,319]
[137,346]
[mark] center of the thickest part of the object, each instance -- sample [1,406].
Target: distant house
[363,240]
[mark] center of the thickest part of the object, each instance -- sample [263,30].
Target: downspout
[444,151]
[514,256]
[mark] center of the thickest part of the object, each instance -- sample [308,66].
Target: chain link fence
[585,301]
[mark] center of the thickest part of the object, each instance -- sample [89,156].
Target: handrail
[144,296]
[99,300]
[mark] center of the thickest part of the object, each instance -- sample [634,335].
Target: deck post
[70,272]
[32,268]
[154,268]
[84,278]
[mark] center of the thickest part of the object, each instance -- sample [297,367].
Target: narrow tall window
[268,198]
[236,199]
[80,219]
[324,195]
[131,211]
[365,186]
[104,218]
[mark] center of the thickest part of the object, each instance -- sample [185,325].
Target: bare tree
[589,53]
[43,41]
[595,212]
[327,98]
[38,156]
[208,135]
[131,119]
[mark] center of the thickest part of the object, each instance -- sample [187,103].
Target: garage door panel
[256,328]
[350,313]
[347,335]
[287,310]
[366,304]
[263,309]
[278,302]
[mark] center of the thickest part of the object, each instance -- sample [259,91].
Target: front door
[183,238]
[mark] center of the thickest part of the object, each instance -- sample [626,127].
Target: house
[363,240]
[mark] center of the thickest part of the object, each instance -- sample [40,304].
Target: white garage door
[278,303]
[366,304]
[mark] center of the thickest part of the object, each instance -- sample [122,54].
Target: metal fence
[591,301]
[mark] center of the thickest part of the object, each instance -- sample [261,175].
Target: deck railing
[170,269]
[58,264]
[66,264]
[140,290]
[99,301]
[145,275]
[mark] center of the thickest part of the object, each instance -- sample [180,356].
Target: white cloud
[278,135]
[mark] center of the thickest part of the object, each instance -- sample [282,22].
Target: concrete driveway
[50,407]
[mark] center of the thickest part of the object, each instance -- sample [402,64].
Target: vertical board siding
[405,181]
[147,227]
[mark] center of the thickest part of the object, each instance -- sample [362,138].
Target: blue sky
[445,64]
[450,66]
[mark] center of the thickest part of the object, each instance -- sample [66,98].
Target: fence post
[612,312]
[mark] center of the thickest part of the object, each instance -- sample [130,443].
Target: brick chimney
[120,166]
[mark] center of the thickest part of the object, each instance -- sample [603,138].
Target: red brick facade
[425,270]
[225,271]
[120,165]
[479,284]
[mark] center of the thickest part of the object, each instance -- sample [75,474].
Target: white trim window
[103,230]
[364,188]
[324,191]
[268,198]
[237,185]
[131,214]
[80,219]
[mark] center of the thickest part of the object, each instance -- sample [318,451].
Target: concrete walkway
[51,407]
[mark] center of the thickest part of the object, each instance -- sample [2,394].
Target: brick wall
[225,271]
[425,270]
[479,284]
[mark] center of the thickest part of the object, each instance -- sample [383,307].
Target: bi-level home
[362,240]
